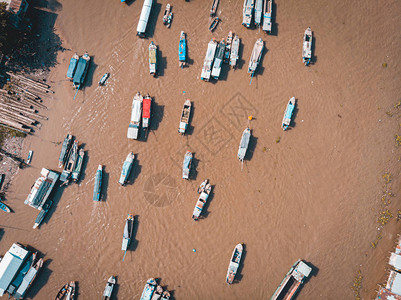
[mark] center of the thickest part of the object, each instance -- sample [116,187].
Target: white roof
[394,282]
[395,261]
[143,19]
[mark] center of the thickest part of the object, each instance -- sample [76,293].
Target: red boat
[147,106]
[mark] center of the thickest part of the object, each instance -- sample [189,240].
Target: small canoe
[167,11]
[98,184]
[28,160]
[136,112]
[182,50]
[71,291]
[152,59]
[288,113]
[227,51]
[78,166]
[234,263]
[73,66]
[65,148]
[158,293]
[214,23]
[42,214]
[256,55]
[104,78]
[185,114]
[146,113]
[234,56]
[149,289]
[307,47]
[243,145]
[186,165]
[4,207]
[165,295]
[108,290]
[204,195]
[213,10]
[61,293]
[127,234]
[127,167]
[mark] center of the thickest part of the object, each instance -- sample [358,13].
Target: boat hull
[127,167]
[98,184]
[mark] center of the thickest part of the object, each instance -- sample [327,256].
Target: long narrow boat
[98,183]
[104,78]
[127,234]
[42,214]
[82,69]
[182,50]
[152,59]
[69,166]
[73,66]
[65,148]
[186,165]
[185,114]
[71,291]
[144,18]
[234,56]
[147,109]
[267,16]
[213,10]
[255,56]
[19,276]
[214,23]
[4,207]
[28,279]
[227,51]
[42,188]
[28,160]
[136,112]
[204,195]
[149,289]
[258,12]
[243,145]
[78,166]
[218,60]
[234,263]
[61,293]
[292,281]
[158,293]
[108,290]
[209,57]
[307,47]
[247,12]
[288,113]
[165,295]
[127,166]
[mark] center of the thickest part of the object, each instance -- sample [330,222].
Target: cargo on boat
[204,192]
[108,290]
[247,13]
[42,188]
[267,16]
[149,289]
[147,109]
[136,112]
[256,55]
[78,166]
[182,50]
[127,234]
[258,12]
[82,69]
[307,47]
[65,148]
[218,60]
[69,166]
[186,165]
[152,59]
[209,57]
[42,214]
[168,15]
[73,66]
[144,18]
[288,113]
[185,114]
[127,167]
[227,51]
[98,183]
[243,145]
[234,263]
[234,56]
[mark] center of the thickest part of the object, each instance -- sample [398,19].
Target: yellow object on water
[250,118]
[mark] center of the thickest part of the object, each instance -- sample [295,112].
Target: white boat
[28,160]
[144,18]
[149,289]
[234,51]
[267,16]
[247,12]
[258,12]
[288,113]
[209,57]
[136,112]
[127,234]
[152,59]
[186,165]
[204,191]
[243,145]
[234,263]
[307,47]
[185,114]
[42,188]
[218,61]
[108,290]
[255,56]
[127,166]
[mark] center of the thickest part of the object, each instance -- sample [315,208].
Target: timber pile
[19,104]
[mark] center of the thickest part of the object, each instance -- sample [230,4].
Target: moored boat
[149,289]
[104,78]
[158,293]
[69,166]
[61,293]
[42,188]
[28,160]
[214,23]
[247,12]
[267,16]
[78,166]
[234,51]
[256,55]
[127,166]
[127,234]
[307,47]
[218,60]
[82,69]
[182,50]
[288,113]
[71,291]
[243,145]
[136,113]
[42,214]
[147,109]
[98,183]
[144,18]
[204,195]
[234,263]
[209,57]
[152,59]
[72,66]
[28,279]
[4,207]
[65,148]
[292,281]
[213,10]
[227,51]
[185,114]
[258,12]
[168,15]
[108,290]
[186,165]
[165,295]
[18,278]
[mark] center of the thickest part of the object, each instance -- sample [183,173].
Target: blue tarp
[80,73]
[72,67]
[182,50]
[289,111]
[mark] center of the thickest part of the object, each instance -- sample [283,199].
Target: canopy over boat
[126,170]
[209,57]
[267,16]
[256,55]
[218,60]
[42,188]
[73,66]
[182,50]
[152,58]
[147,102]
[186,165]
[247,12]
[98,183]
[4,207]
[78,165]
[258,12]
[234,51]
[144,17]
[243,146]
[307,47]
[136,113]
[82,68]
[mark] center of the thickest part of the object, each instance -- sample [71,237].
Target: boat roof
[144,17]
[136,110]
[290,110]
[146,107]
[394,282]
[80,73]
[152,55]
[395,261]
[301,271]
[385,294]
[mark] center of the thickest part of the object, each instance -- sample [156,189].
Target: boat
[168,16]
[234,51]
[149,289]
[186,165]
[17,280]
[104,78]
[71,291]
[127,166]
[214,23]
[234,263]
[185,114]
[255,56]
[209,57]
[202,186]
[127,235]
[213,10]
[65,148]
[28,160]
[98,183]
[42,188]
[42,214]
[78,166]
[61,293]
[165,295]
[28,279]
[292,281]
[153,59]
[136,112]
[73,66]
[288,113]
[247,12]
[258,12]
[267,16]
[182,50]
[243,145]
[4,207]
[227,51]
[82,69]
[204,194]
[307,47]
[157,293]
[108,290]
[147,108]
[218,60]
[69,166]
[2,177]
[144,18]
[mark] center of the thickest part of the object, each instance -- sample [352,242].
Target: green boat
[78,165]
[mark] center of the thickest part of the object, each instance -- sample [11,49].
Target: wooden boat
[185,114]
[267,16]
[149,289]
[144,18]
[218,60]
[256,55]
[28,279]
[2,177]
[78,166]
[28,160]
[247,12]
[65,148]
[158,293]
[127,166]
[168,16]
[108,290]
[73,66]
[104,78]
[243,145]
[165,295]
[42,189]
[258,12]
[209,57]
[69,166]
[234,51]
[147,108]
[234,263]
[204,195]
[127,234]
[292,281]
[20,274]
[186,165]
[152,59]
[307,47]
[42,214]
[4,207]
[288,113]
[61,293]
[202,186]
[182,50]
[136,113]
[98,183]
[227,51]
[82,69]
[213,10]
[71,291]
[214,23]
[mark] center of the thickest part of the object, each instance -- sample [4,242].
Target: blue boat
[288,113]
[98,184]
[182,50]
[149,289]
[73,66]
[42,214]
[82,69]
[127,166]
[186,165]
[4,207]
